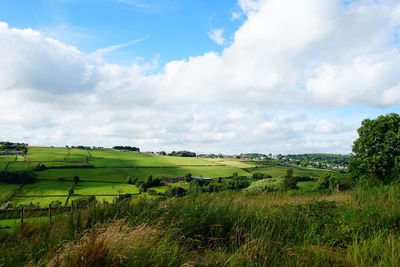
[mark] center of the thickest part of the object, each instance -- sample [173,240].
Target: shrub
[326,181]
[260,176]
[188,177]
[56,204]
[175,192]
[131,180]
[289,181]
[265,185]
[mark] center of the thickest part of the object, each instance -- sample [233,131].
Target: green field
[43,202]
[6,190]
[109,170]
[40,188]
[46,154]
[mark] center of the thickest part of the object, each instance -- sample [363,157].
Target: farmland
[103,173]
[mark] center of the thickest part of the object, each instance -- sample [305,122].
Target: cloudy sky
[269,76]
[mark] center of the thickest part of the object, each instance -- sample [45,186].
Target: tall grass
[223,229]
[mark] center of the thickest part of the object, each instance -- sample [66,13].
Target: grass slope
[113,166]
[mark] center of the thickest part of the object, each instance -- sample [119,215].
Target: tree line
[127,148]
[9,146]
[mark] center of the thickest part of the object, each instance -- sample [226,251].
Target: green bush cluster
[265,185]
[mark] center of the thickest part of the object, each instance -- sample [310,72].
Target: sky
[231,76]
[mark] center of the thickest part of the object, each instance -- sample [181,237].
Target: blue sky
[232,76]
[169,29]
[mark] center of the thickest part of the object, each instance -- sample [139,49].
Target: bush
[238,182]
[131,180]
[289,181]
[175,192]
[188,177]
[265,185]
[150,182]
[326,181]
[260,176]
[56,204]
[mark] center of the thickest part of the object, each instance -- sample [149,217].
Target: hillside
[104,173]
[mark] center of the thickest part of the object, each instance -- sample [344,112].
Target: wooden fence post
[50,212]
[22,215]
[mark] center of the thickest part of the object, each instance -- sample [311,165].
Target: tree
[289,181]
[377,150]
[76,179]
[175,192]
[326,181]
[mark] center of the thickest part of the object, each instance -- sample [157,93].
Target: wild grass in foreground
[221,229]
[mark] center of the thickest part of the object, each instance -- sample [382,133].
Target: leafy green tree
[377,150]
[326,181]
[289,181]
[175,192]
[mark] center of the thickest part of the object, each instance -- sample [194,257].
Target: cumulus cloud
[288,59]
[216,36]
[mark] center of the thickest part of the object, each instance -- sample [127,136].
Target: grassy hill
[105,172]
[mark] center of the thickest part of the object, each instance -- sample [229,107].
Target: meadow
[104,174]
[354,228]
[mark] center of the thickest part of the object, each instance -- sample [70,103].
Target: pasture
[105,172]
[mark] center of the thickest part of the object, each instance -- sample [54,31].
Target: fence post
[50,212]
[22,215]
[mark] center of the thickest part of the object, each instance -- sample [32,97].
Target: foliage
[188,177]
[323,158]
[18,177]
[56,204]
[127,148]
[264,185]
[131,180]
[259,176]
[237,182]
[326,181]
[175,192]
[84,201]
[183,153]
[13,146]
[150,182]
[76,179]
[377,149]
[289,182]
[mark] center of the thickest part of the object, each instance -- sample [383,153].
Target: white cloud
[325,126]
[216,36]
[288,59]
